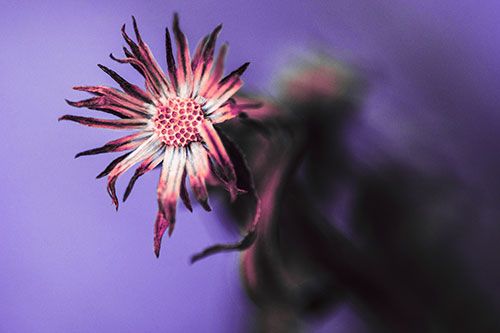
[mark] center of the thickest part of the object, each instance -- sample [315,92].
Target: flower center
[177,122]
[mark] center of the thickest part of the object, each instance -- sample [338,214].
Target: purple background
[71,263]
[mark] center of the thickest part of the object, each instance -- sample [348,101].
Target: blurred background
[389,217]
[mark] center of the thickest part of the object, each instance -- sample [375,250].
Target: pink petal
[204,65]
[231,109]
[212,80]
[161,224]
[144,151]
[106,123]
[147,165]
[109,98]
[172,70]
[129,54]
[184,193]
[128,87]
[206,53]
[227,87]
[222,95]
[198,170]
[184,71]
[218,152]
[197,54]
[125,143]
[159,82]
[169,187]
[225,112]
[112,165]
[151,81]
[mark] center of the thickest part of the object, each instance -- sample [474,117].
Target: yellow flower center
[177,122]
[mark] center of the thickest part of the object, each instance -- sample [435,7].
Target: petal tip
[104,68]
[243,68]
[206,206]
[171,227]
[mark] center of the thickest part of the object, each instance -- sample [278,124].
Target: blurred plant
[175,118]
[395,268]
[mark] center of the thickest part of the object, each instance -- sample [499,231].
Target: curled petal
[198,169]
[141,52]
[132,60]
[144,151]
[104,104]
[147,165]
[125,143]
[129,54]
[128,87]
[218,152]
[245,181]
[169,187]
[112,165]
[150,62]
[115,93]
[184,193]
[124,105]
[247,241]
[150,81]
[161,225]
[92,103]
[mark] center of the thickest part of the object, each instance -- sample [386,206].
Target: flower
[174,118]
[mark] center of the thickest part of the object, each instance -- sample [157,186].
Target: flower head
[174,118]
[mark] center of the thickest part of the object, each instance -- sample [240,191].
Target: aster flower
[174,118]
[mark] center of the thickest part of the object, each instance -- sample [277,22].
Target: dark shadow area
[395,261]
